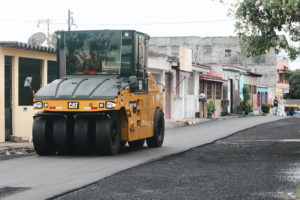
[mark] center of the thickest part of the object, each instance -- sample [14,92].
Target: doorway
[8,97]
[168,85]
[231,96]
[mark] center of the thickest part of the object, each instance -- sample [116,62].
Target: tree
[260,22]
[294,80]
[51,38]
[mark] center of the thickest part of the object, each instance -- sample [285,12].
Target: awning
[212,75]
[212,78]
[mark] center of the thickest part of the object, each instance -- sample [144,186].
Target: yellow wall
[279,92]
[2,117]
[21,120]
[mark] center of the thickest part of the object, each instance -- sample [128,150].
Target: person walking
[281,106]
[275,106]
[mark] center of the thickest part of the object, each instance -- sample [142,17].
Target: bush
[265,108]
[210,106]
[245,106]
[246,93]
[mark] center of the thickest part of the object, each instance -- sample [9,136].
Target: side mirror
[27,82]
[133,83]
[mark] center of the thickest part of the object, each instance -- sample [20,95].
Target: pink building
[282,86]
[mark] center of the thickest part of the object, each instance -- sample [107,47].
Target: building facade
[18,61]
[282,86]
[222,54]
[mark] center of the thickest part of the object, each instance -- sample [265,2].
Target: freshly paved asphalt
[36,177]
[257,163]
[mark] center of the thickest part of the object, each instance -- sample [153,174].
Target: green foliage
[259,22]
[294,80]
[244,105]
[210,106]
[246,93]
[265,108]
[298,193]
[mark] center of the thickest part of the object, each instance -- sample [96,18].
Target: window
[191,85]
[141,68]
[227,52]
[209,90]
[156,77]
[201,86]
[207,49]
[175,50]
[52,71]
[218,90]
[97,52]
[162,49]
[29,68]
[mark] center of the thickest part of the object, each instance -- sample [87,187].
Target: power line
[158,23]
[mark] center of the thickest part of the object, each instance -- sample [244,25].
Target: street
[258,163]
[36,177]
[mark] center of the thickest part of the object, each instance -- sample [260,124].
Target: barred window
[201,86]
[29,67]
[209,90]
[218,90]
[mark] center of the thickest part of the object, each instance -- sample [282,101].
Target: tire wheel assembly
[108,135]
[42,136]
[89,135]
[158,129]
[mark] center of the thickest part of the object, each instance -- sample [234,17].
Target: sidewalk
[170,124]
[10,148]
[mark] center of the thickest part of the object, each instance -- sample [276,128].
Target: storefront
[211,84]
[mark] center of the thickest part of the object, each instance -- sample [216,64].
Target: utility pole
[70,20]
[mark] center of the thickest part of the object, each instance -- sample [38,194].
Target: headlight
[46,105]
[39,104]
[110,104]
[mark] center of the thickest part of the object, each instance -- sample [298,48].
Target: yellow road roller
[104,96]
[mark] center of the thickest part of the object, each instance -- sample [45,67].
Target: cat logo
[73,105]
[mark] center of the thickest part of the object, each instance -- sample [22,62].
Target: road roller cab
[103,98]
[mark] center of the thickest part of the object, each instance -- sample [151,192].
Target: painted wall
[21,120]
[211,50]
[261,92]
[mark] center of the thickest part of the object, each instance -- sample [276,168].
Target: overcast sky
[19,19]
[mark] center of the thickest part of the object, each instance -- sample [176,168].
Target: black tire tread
[155,141]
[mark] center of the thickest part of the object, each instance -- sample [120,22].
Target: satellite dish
[37,38]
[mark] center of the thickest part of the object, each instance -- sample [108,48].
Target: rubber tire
[62,135]
[83,136]
[158,129]
[42,136]
[137,144]
[104,130]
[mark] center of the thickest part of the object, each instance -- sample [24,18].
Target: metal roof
[21,45]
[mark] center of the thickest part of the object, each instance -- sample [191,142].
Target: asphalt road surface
[36,177]
[258,163]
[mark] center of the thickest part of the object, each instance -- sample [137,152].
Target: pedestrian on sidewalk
[281,106]
[275,106]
